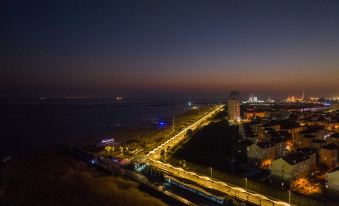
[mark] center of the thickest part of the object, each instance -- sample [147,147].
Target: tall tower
[234,107]
[303,96]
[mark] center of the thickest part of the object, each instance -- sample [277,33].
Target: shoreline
[121,132]
[53,164]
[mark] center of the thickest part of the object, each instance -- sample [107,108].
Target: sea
[31,124]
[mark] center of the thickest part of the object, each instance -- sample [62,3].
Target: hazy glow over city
[195,48]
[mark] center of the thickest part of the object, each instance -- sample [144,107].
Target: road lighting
[289,196]
[211,169]
[173,123]
[146,143]
[246,182]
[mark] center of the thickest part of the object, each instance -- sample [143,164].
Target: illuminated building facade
[292,99]
[312,154]
[291,167]
[335,105]
[328,156]
[333,183]
[254,114]
[234,107]
[261,152]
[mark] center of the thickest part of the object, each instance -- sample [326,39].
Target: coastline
[43,164]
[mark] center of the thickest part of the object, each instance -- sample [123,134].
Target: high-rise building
[303,96]
[234,95]
[335,105]
[234,107]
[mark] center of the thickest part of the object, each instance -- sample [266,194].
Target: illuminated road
[155,153]
[237,192]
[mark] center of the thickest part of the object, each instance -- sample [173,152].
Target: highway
[237,192]
[155,153]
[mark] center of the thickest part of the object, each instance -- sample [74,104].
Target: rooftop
[285,134]
[265,144]
[335,135]
[277,139]
[287,124]
[309,136]
[330,146]
[333,177]
[311,130]
[318,141]
[295,158]
[306,151]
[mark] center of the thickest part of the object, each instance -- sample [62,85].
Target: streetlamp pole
[173,123]
[211,169]
[246,182]
[289,196]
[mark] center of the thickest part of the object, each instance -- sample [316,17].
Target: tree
[189,133]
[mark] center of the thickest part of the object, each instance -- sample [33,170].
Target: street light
[211,169]
[173,126]
[289,196]
[246,182]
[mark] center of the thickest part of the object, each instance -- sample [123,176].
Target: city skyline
[169,48]
[181,102]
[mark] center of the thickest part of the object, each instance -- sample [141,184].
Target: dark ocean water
[32,124]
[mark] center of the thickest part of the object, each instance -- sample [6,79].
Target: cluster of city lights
[305,186]
[254,99]
[334,98]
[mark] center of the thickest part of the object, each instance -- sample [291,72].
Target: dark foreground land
[54,177]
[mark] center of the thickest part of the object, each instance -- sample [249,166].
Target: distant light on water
[189,104]
[162,124]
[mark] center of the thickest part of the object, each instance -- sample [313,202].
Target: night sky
[270,48]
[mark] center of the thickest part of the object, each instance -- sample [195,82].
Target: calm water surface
[31,124]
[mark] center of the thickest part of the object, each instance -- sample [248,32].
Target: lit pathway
[155,153]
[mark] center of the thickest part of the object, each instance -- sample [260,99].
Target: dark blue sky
[169,47]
